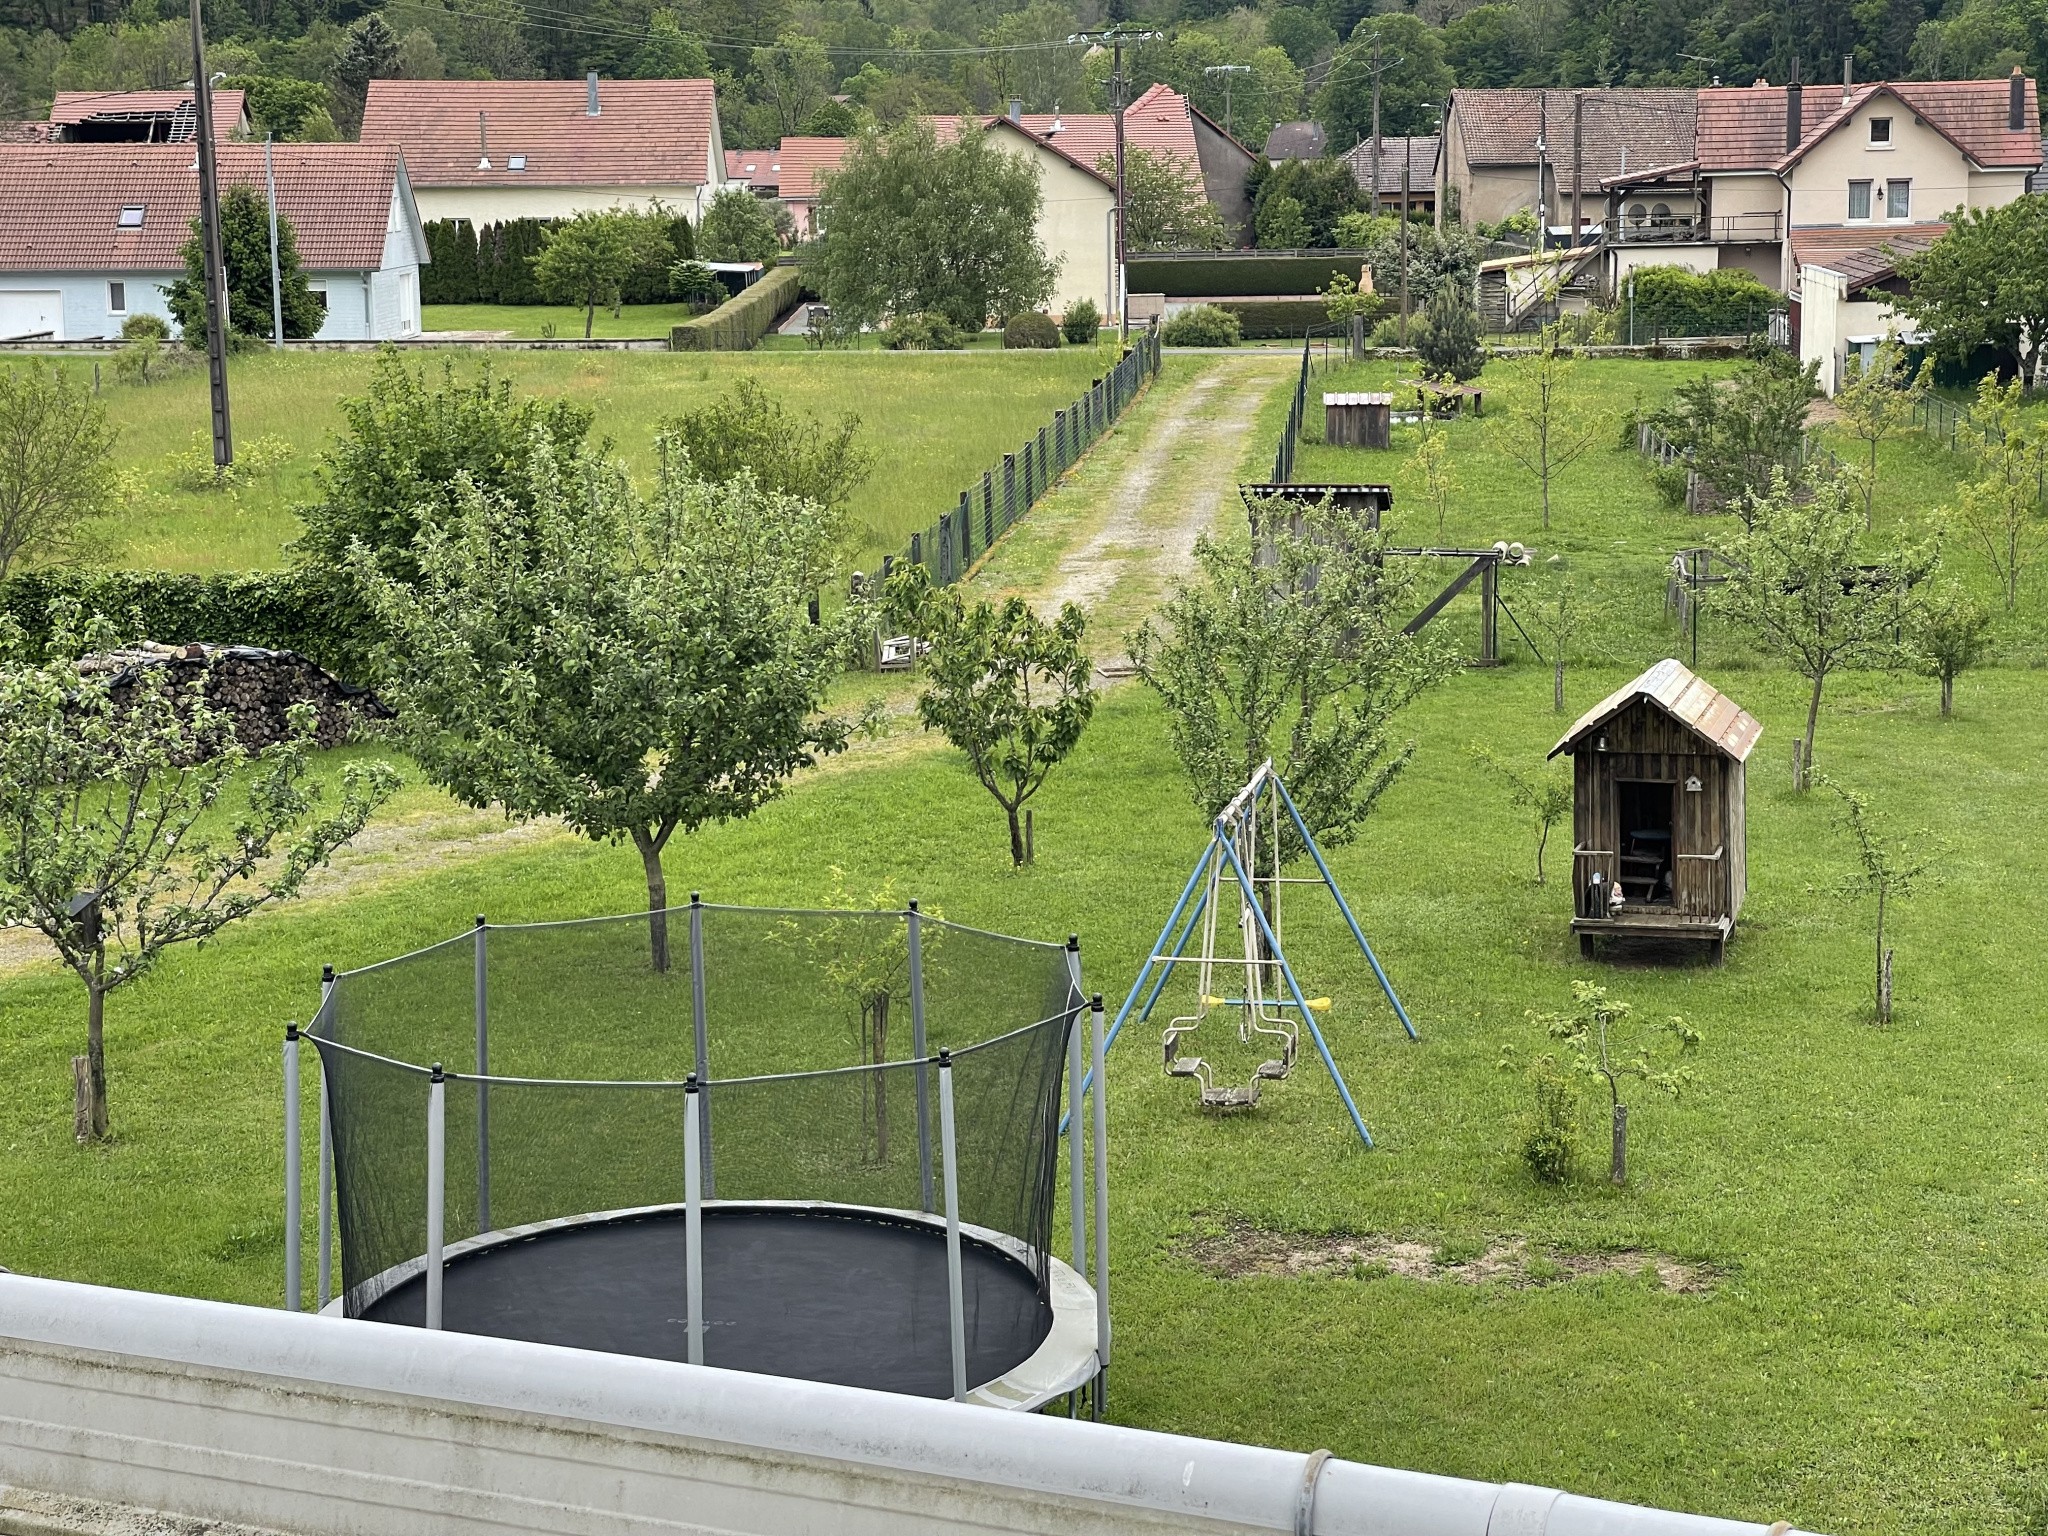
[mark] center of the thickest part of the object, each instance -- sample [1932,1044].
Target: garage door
[31,312]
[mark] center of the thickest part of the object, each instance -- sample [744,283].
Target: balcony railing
[1686,229]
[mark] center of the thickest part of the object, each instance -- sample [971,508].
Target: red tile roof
[796,166]
[1687,698]
[646,133]
[1743,128]
[1642,125]
[1863,255]
[77,106]
[1159,121]
[60,203]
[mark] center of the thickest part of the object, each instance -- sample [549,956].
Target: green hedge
[742,320]
[312,612]
[1266,319]
[1251,274]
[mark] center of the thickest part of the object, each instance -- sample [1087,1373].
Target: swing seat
[1185,1066]
[1275,1071]
[1231,1098]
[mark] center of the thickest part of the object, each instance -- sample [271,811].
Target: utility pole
[1117,38]
[1405,161]
[276,282]
[1375,122]
[210,251]
[1578,148]
[1226,71]
[1542,148]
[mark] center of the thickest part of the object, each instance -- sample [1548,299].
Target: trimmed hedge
[494,265]
[1252,274]
[1287,319]
[301,609]
[743,320]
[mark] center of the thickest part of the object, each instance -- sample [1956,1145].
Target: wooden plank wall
[1644,743]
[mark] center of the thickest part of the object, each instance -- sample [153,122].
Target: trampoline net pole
[700,1024]
[915,919]
[324,1215]
[1101,1211]
[955,1296]
[693,1208]
[437,1191]
[294,1216]
[483,1089]
[1077,1087]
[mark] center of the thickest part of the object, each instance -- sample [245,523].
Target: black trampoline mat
[841,1296]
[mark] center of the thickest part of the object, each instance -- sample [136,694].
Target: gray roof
[1296,141]
[1642,126]
[1420,153]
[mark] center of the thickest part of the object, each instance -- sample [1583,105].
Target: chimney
[483,143]
[1793,120]
[1016,109]
[1848,77]
[2016,101]
[590,84]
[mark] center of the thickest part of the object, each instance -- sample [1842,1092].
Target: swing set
[1258,983]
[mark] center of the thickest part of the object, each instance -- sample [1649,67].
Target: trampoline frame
[1061,1366]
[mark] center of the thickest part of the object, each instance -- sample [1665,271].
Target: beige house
[493,150]
[1076,219]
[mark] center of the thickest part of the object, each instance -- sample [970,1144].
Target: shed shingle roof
[1420,153]
[1687,698]
[79,106]
[646,133]
[1650,126]
[1743,128]
[60,203]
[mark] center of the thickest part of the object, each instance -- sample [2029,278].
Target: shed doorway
[1646,812]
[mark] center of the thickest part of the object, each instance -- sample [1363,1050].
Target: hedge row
[312,612]
[494,265]
[1266,319]
[1248,274]
[742,320]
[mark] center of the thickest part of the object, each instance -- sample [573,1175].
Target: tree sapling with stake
[1545,795]
[1604,1045]
[1889,866]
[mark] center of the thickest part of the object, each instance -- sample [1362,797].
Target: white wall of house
[1832,326]
[496,204]
[78,306]
[1936,172]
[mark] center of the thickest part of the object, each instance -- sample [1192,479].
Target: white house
[493,150]
[93,233]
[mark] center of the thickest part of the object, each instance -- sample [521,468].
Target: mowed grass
[937,420]
[561,322]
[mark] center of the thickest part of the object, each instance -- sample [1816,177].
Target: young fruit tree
[1544,796]
[1165,207]
[131,819]
[1889,866]
[588,258]
[1555,611]
[1547,429]
[1951,634]
[1604,1045]
[1739,434]
[2003,507]
[1875,403]
[636,666]
[1291,647]
[1010,690]
[1432,461]
[1797,586]
[56,463]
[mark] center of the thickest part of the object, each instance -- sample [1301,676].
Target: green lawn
[1865,1209]
[938,419]
[558,321]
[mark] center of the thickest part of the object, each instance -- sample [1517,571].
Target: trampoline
[852,1179]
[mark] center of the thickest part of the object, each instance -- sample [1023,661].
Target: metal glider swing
[1265,1011]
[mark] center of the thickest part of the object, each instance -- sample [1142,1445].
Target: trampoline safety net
[566,1048]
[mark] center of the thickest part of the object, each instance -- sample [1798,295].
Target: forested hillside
[781,63]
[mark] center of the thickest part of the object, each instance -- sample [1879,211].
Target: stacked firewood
[253,687]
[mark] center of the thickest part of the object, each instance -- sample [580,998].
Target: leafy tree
[1301,33]
[692,282]
[56,463]
[1325,189]
[1873,404]
[1889,866]
[1740,434]
[669,53]
[419,56]
[1004,686]
[405,446]
[1604,1045]
[1032,65]
[1437,258]
[789,453]
[368,52]
[2002,506]
[131,820]
[1291,647]
[1797,586]
[1548,428]
[1490,45]
[1433,467]
[1545,796]
[1449,344]
[737,226]
[245,251]
[1166,207]
[1984,284]
[832,120]
[1283,225]
[588,258]
[1951,634]
[914,226]
[1414,80]
[279,105]
[794,77]
[634,666]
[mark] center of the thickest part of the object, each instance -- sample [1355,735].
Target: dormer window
[1880,133]
[516,163]
[131,216]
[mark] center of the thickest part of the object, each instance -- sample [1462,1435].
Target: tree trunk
[1805,777]
[1870,486]
[1030,846]
[1557,684]
[1884,967]
[1018,858]
[1542,841]
[1546,500]
[89,1116]
[589,319]
[1948,694]
[657,899]
[1618,1167]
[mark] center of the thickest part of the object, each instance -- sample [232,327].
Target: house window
[117,298]
[1880,133]
[1898,199]
[1638,213]
[516,163]
[131,216]
[1859,199]
[320,298]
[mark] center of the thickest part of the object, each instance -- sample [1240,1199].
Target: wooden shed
[1657,810]
[1353,420]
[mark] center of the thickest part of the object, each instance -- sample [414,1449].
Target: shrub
[1449,343]
[1672,301]
[1550,1133]
[1202,325]
[139,327]
[923,333]
[1267,319]
[1030,331]
[743,320]
[1388,333]
[1081,323]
